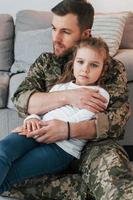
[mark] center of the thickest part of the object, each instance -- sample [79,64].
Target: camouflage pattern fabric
[104,172]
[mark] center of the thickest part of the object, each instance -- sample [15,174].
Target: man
[104,171]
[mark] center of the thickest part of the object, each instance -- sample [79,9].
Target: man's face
[65,33]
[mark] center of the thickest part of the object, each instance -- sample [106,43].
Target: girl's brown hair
[92,42]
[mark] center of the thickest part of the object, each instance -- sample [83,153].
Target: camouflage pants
[104,174]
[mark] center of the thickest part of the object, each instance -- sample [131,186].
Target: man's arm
[42,74]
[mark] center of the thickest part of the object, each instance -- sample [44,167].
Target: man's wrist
[68,131]
[102,125]
[84,130]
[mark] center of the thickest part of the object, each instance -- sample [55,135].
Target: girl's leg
[42,160]
[11,148]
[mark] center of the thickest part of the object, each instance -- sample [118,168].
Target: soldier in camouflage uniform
[104,171]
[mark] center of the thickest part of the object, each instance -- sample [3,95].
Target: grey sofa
[22,40]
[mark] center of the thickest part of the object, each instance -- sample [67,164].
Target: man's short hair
[82,9]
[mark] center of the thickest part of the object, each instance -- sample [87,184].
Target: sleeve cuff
[33,116]
[22,103]
[102,126]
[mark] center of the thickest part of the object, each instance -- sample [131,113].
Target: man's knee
[103,157]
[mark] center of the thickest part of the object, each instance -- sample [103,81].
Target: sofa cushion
[4,82]
[17,78]
[33,36]
[127,38]
[28,46]
[126,57]
[6,41]
[31,20]
[110,27]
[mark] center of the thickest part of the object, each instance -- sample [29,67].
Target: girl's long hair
[97,44]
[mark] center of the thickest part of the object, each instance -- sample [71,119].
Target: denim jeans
[22,158]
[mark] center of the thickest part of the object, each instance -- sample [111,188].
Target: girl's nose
[86,69]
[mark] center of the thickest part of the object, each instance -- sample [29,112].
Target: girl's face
[88,65]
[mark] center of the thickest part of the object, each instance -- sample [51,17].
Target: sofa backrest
[6,41]
[32,20]
[27,20]
[6,54]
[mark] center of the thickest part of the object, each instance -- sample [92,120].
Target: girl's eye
[93,65]
[80,62]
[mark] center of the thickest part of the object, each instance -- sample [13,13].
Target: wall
[12,6]
[112,5]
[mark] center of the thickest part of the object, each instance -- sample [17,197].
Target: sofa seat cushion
[8,121]
[6,41]
[4,82]
[126,57]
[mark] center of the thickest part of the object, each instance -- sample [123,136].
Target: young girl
[21,157]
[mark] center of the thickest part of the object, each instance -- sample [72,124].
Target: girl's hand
[32,124]
[18,129]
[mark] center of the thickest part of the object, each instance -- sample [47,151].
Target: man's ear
[86,33]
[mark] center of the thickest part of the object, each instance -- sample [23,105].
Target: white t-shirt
[71,114]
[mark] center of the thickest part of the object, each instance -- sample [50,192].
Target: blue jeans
[22,158]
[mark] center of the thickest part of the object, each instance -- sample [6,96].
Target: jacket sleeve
[111,123]
[34,82]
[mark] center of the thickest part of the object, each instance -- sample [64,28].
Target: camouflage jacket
[46,70]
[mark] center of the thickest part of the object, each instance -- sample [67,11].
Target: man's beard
[63,50]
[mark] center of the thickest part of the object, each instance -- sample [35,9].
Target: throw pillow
[110,27]
[28,46]
[127,38]
[27,20]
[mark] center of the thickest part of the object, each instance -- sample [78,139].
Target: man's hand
[85,98]
[50,132]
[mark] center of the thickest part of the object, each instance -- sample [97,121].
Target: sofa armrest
[126,57]
[4,82]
